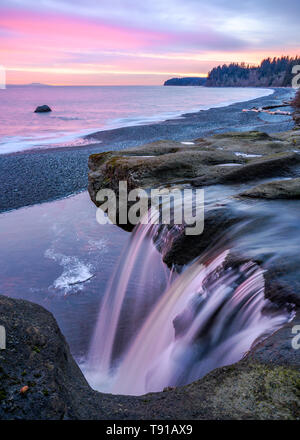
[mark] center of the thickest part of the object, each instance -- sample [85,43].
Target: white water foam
[247,155]
[75,272]
[14,144]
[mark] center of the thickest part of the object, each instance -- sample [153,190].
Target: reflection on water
[57,255]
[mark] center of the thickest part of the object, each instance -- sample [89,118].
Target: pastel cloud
[55,28]
[132,42]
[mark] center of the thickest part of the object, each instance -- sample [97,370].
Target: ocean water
[57,255]
[78,111]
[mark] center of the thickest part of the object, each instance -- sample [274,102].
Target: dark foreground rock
[265,385]
[42,109]
[38,356]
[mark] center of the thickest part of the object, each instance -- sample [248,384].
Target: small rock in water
[42,109]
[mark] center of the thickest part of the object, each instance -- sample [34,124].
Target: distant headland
[187,81]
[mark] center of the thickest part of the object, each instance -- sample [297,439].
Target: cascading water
[195,328]
[142,263]
[177,328]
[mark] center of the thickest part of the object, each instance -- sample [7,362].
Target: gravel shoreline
[36,176]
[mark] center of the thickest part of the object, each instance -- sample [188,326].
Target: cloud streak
[127,38]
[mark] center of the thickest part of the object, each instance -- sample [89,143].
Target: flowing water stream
[179,325]
[150,327]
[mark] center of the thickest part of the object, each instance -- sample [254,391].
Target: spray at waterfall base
[177,324]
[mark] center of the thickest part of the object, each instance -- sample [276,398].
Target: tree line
[272,72]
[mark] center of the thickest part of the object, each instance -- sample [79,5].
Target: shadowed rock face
[182,248]
[265,385]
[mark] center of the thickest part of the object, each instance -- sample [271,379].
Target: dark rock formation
[38,356]
[254,142]
[277,189]
[265,385]
[153,165]
[187,81]
[267,166]
[201,164]
[181,249]
[166,161]
[42,109]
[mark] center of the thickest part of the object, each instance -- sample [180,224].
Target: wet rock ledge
[229,159]
[220,159]
[39,379]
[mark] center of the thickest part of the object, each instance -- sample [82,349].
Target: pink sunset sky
[112,42]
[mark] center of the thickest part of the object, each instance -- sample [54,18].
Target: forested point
[276,72]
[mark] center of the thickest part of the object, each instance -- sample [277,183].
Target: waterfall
[172,329]
[142,263]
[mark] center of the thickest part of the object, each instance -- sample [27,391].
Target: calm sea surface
[78,111]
